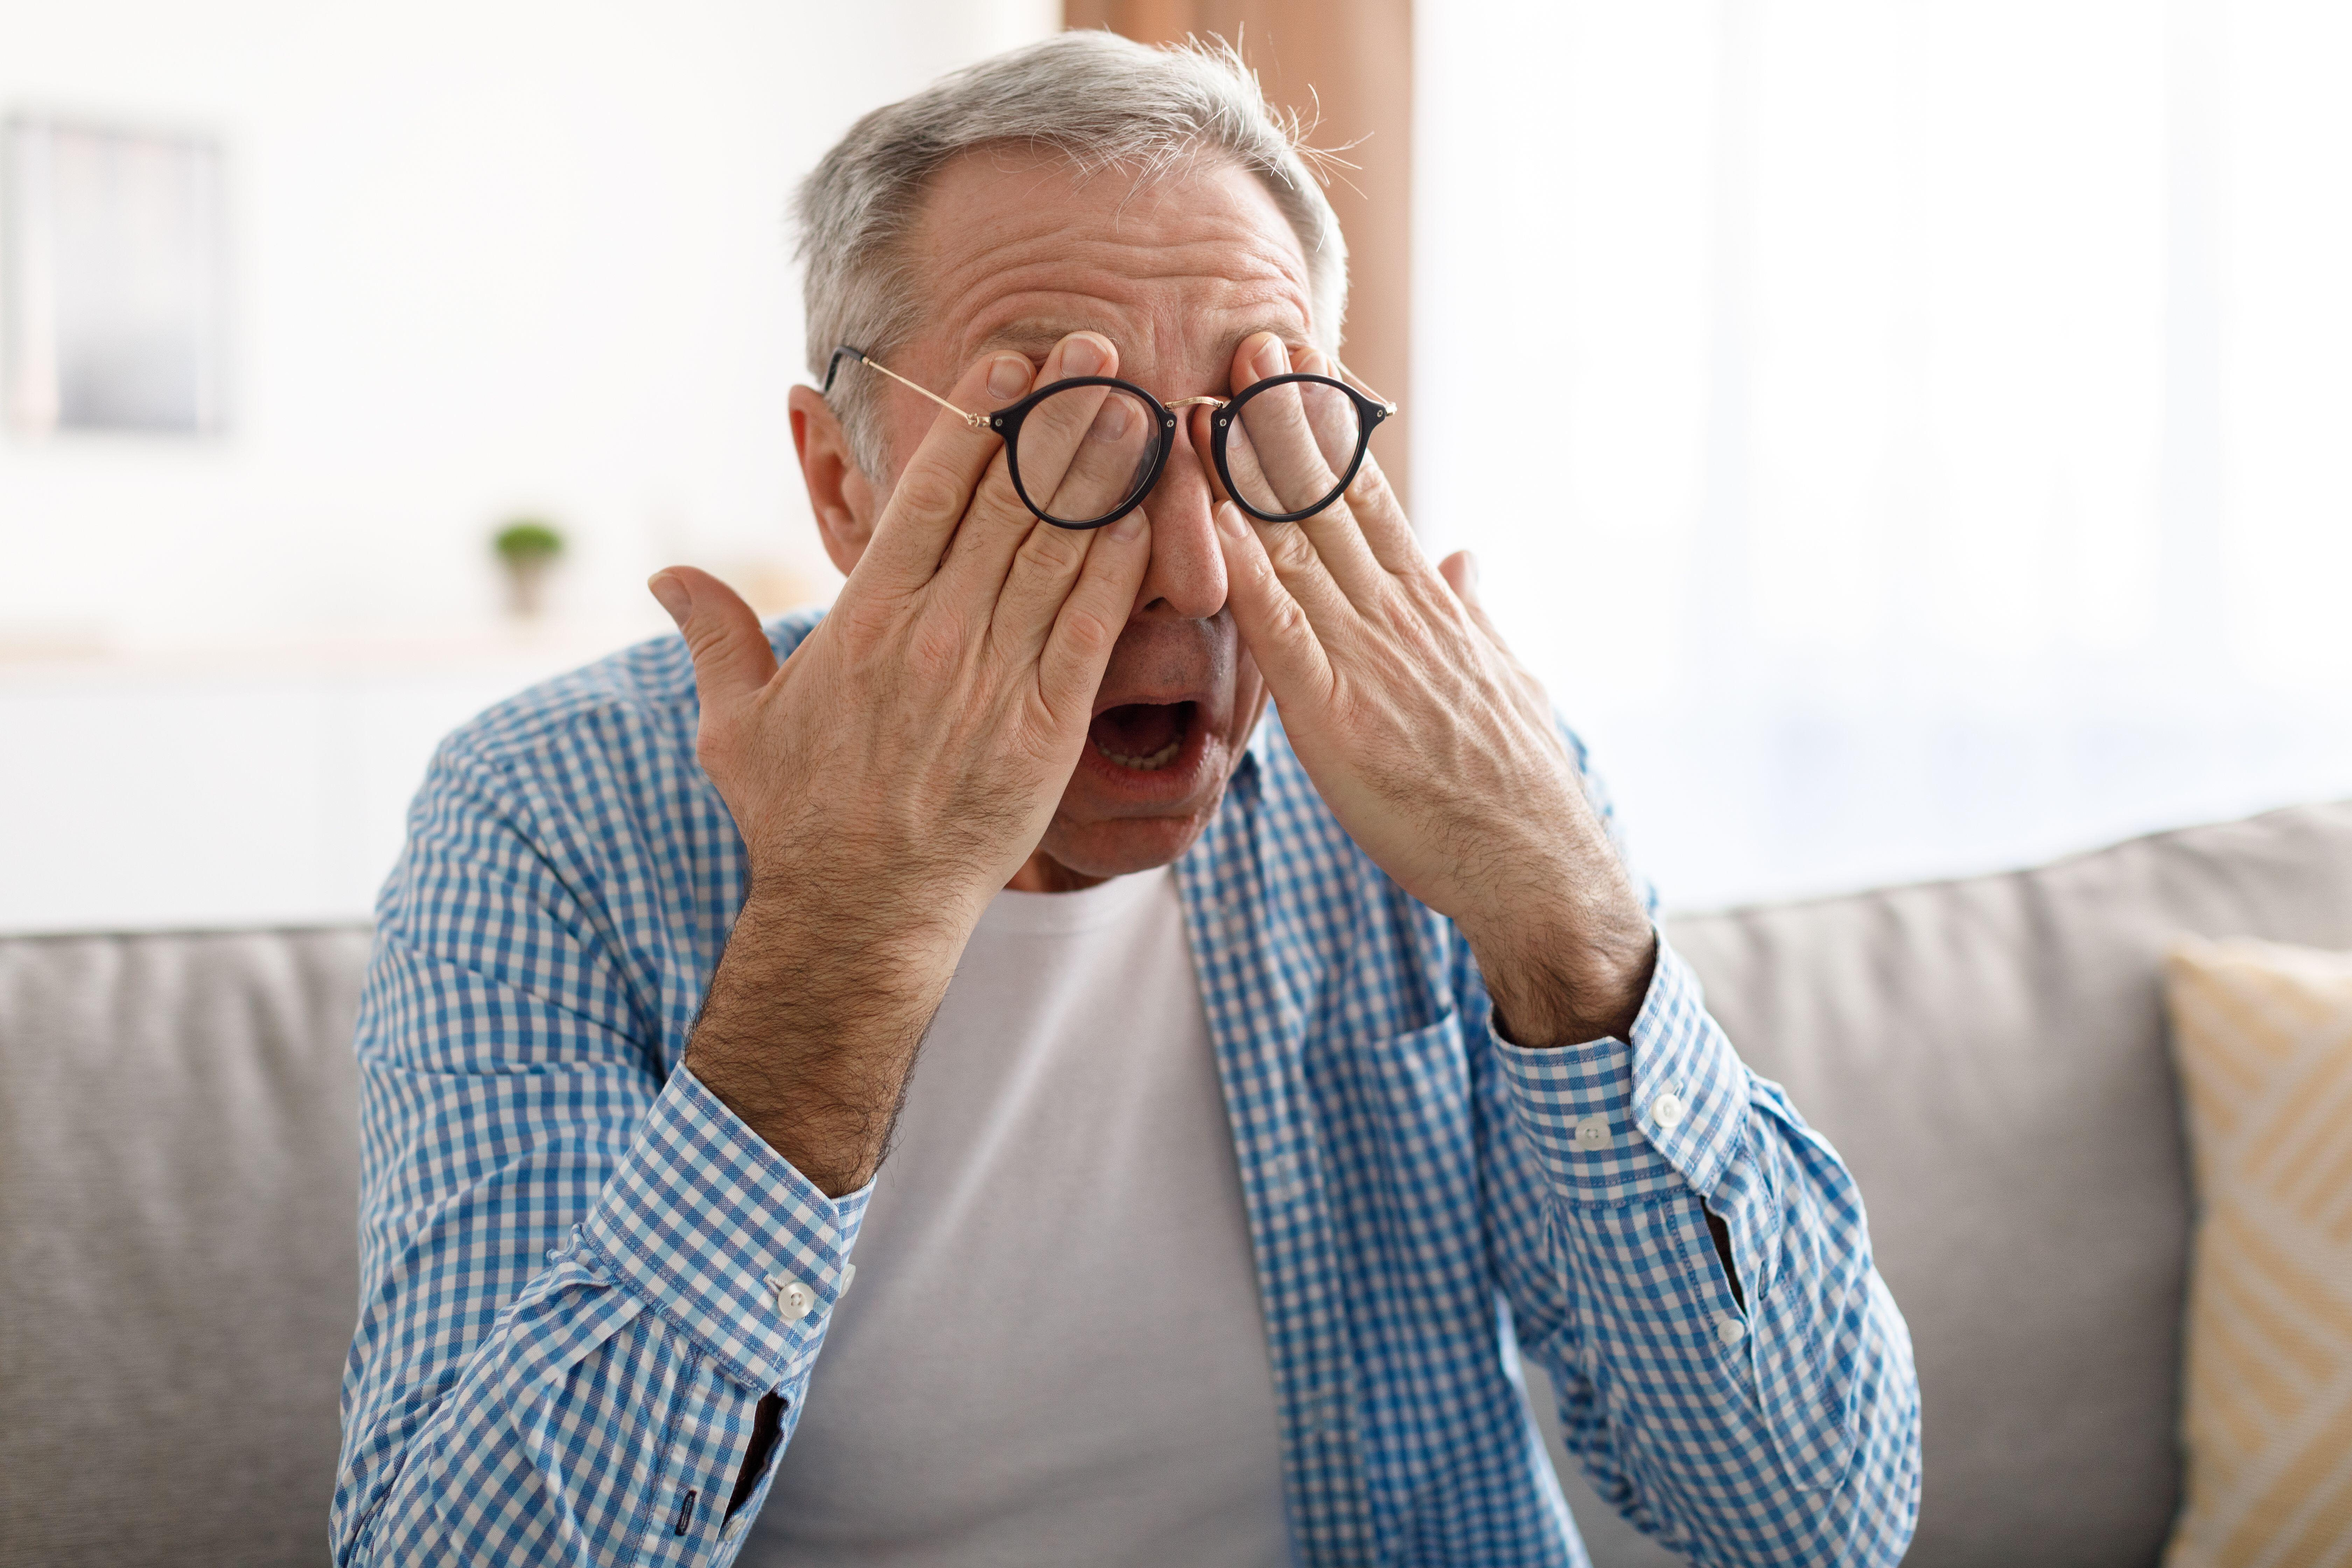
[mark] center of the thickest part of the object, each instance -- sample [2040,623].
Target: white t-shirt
[1052,1352]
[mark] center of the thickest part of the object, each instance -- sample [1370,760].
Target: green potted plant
[528,548]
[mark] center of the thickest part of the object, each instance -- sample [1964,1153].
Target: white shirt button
[735,1527]
[1730,1329]
[793,1300]
[1667,1111]
[1592,1133]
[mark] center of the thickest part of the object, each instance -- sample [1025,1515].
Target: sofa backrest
[1989,1056]
[178,1180]
[179,1262]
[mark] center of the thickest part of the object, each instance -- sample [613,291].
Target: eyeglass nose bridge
[1183,403]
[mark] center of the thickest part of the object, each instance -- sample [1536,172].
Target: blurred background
[1909,438]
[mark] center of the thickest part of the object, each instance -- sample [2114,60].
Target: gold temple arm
[977,421]
[1360,385]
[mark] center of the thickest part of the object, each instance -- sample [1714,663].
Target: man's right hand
[893,774]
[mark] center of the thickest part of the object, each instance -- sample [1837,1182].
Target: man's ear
[839,491]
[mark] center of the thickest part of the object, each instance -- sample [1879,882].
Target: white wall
[1906,439]
[486,258]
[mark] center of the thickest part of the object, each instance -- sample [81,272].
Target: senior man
[1261,1091]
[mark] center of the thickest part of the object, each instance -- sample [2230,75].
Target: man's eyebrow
[1293,334]
[1035,339]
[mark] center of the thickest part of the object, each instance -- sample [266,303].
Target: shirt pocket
[1398,1150]
[1412,1093]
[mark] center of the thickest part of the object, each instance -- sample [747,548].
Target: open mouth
[1144,736]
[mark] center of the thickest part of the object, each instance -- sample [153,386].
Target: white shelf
[550,647]
[238,785]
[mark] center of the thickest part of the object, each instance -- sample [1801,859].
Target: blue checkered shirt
[575,1260]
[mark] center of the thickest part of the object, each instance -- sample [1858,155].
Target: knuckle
[997,503]
[1035,727]
[1088,632]
[927,491]
[714,742]
[703,636]
[1289,620]
[1289,549]
[1051,552]
[864,621]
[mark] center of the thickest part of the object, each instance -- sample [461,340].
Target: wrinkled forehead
[1015,248]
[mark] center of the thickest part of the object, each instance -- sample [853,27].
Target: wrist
[828,909]
[810,1027]
[1569,987]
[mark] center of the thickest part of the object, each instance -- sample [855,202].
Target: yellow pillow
[2264,1038]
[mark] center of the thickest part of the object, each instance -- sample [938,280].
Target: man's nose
[1188,572]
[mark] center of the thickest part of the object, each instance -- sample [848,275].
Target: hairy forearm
[1568,958]
[1567,997]
[810,1029]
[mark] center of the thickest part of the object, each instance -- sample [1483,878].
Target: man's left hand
[1434,747]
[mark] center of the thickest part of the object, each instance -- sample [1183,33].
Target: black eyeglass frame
[1006,423]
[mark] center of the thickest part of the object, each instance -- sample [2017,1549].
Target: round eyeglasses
[1083,452]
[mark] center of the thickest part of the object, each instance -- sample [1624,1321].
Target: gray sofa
[177,1184]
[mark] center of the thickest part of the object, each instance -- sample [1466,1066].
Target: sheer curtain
[1909,438]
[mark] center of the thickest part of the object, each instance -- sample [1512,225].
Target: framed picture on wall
[115,298]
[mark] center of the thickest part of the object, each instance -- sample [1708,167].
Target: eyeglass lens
[1291,445]
[1085,453]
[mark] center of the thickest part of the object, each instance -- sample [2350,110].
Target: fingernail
[1272,359]
[1127,528]
[1081,356]
[1229,518]
[671,595]
[1008,376]
[1470,567]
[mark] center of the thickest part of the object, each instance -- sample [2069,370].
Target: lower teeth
[1157,760]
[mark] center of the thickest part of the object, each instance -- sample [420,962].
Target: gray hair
[1097,99]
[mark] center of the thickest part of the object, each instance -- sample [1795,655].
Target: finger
[1071,662]
[1279,630]
[1305,574]
[999,521]
[1279,436]
[1460,571]
[1378,514]
[927,506]
[1038,583]
[732,657]
[1255,444]
[1086,448]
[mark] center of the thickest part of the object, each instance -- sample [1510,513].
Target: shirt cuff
[1617,1120]
[724,1239]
